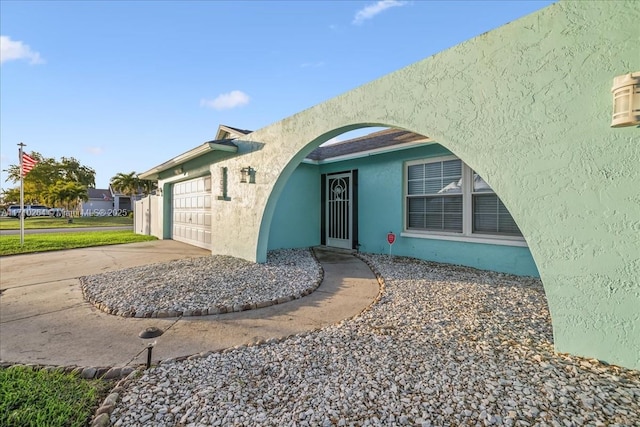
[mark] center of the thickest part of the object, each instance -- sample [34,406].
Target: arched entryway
[351,194]
[512,105]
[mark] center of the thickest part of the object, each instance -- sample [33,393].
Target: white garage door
[192,212]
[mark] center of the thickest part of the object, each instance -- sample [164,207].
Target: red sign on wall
[391,238]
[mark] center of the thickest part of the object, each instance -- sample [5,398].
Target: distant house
[105,202]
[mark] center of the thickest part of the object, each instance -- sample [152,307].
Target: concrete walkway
[44,319]
[64,230]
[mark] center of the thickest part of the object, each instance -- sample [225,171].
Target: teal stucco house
[498,153]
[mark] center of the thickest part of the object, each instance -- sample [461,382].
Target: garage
[192,212]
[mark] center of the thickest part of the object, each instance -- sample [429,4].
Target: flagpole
[21,193]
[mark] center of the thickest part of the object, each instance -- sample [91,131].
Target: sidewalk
[44,319]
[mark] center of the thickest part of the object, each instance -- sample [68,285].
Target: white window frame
[467,234]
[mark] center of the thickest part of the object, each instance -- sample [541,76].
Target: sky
[123,86]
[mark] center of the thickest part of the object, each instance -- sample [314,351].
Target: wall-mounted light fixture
[247,175]
[178,171]
[626,100]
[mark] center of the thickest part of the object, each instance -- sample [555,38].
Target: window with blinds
[445,195]
[490,216]
[434,199]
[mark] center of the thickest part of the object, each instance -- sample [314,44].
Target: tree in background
[125,183]
[130,185]
[147,186]
[43,183]
[68,194]
[10,196]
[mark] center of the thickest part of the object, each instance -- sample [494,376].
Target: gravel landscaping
[203,286]
[444,346]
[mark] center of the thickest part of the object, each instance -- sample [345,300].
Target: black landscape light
[148,334]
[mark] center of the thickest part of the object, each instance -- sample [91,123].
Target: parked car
[56,212]
[31,210]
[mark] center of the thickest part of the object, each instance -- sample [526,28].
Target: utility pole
[21,145]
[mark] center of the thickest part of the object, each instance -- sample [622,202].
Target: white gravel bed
[204,285]
[445,346]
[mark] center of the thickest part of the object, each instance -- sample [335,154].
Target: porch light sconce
[177,171]
[626,100]
[247,175]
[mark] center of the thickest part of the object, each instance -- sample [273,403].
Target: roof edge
[366,153]
[217,145]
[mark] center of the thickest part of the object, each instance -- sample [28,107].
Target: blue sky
[125,85]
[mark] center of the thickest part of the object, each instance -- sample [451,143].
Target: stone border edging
[217,309]
[103,414]
[126,374]
[101,417]
[84,372]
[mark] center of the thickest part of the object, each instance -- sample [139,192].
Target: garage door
[192,212]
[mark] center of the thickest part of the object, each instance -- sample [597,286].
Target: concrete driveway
[44,319]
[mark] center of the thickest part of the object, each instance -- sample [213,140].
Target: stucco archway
[527,106]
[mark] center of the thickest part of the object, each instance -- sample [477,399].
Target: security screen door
[339,210]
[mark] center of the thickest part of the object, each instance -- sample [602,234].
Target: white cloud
[95,150]
[312,64]
[11,50]
[226,101]
[332,141]
[372,10]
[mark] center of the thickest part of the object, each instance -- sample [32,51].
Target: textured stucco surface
[528,106]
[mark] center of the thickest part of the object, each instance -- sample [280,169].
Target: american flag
[28,163]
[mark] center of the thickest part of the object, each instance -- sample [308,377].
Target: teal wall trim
[381,210]
[167,202]
[528,106]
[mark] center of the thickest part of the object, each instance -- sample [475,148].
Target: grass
[10,244]
[7,223]
[41,398]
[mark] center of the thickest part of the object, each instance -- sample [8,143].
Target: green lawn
[10,245]
[48,399]
[7,223]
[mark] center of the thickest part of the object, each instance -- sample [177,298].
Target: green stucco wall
[528,106]
[200,166]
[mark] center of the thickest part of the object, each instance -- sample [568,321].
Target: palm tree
[75,193]
[68,193]
[126,183]
[147,186]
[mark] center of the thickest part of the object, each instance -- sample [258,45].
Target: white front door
[339,214]
[192,212]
